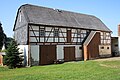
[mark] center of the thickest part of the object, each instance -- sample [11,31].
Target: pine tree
[12,58]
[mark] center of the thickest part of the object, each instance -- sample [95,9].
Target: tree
[2,36]
[12,58]
[8,41]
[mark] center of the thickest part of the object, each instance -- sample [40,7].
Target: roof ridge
[56,9]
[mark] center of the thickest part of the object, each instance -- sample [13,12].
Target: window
[42,32]
[102,47]
[56,32]
[80,47]
[107,47]
[79,32]
[116,45]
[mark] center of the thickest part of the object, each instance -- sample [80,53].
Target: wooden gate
[47,54]
[69,53]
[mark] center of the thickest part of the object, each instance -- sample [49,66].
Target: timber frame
[44,29]
[76,36]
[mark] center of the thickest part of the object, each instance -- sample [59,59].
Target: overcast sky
[107,10]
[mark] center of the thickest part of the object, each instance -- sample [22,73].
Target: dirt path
[108,59]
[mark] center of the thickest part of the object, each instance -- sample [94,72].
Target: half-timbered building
[46,34]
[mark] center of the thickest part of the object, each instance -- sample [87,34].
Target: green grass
[89,70]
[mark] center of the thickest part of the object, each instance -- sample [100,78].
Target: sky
[106,10]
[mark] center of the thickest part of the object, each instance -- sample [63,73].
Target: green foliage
[12,58]
[2,37]
[89,70]
[8,40]
[3,50]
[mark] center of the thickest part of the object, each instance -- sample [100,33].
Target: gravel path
[108,59]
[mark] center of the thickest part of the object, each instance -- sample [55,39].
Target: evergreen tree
[2,36]
[12,58]
[8,41]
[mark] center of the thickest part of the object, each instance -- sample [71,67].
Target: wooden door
[47,54]
[69,53]
[93,47]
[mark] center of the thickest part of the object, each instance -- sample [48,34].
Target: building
[119,38]
[2,54]
[1,59]
[114,46]
[47,34]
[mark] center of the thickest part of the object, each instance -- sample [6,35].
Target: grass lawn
[89,70]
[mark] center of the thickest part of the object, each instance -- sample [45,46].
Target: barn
[45,35]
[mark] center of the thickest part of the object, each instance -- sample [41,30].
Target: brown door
[68,35]
[69,53]
[47,54]
[93,47]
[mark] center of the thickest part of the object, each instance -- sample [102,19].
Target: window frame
[56,32]
[42,32]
